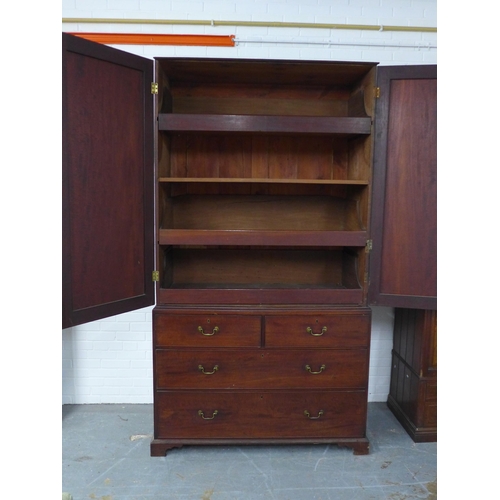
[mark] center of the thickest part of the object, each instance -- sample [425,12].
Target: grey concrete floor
[106,457]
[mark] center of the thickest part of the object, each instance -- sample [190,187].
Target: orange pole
[153,39]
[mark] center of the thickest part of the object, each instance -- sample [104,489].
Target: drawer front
[321,331]
[206,330]
[261,368]
[226,414]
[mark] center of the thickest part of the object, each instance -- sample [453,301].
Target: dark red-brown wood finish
[283,124]
[261,333]
[403,265]
[413,389]
[244,375]
[108,182]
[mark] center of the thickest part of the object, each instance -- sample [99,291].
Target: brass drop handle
[310,330]
[308,415]
[202,370]
[321,368]
[202,415]
[214,331]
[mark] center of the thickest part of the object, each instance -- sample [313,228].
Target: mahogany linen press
[263,206]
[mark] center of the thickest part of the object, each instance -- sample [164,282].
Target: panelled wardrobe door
[403,231]
[108,181]
[404,214]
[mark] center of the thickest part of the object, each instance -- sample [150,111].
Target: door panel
[108,181]
[403,270]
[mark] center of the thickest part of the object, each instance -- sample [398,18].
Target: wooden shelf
[240,180]
[347,126]
[263,238]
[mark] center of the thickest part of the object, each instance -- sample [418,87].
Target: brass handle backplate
[202,415]
[214,331]
[310,330]
[308,415]
[202,370]
[321,368]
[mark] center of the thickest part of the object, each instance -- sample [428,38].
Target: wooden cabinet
[264,171]
[403,261]
[264,174]
[236,375]
[413,390]
[263,206]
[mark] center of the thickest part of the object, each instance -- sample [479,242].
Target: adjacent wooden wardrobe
[413,391]
[247,192]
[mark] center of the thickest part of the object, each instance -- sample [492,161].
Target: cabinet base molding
[160,447]
[418,434]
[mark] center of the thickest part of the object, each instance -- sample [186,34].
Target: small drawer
[261,369]
[332,330]
[266,414]
[206,330]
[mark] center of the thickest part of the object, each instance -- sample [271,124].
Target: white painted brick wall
[110,361]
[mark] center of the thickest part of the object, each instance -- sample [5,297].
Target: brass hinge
[154,88]
[156,276]
[369,246]
[377,92]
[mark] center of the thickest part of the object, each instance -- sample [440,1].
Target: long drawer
[206,330]
[261,368]
[260,414]
[318,331]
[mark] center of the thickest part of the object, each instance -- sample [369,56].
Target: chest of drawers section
[260,376]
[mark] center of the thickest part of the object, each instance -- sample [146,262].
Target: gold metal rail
[370,27]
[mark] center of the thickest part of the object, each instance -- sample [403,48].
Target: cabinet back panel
[221,267]
[212,212]
[209,91]
[261,100]
[259,106]
[258,156]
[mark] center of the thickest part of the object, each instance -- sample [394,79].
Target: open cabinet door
[108,181]
[404,214]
